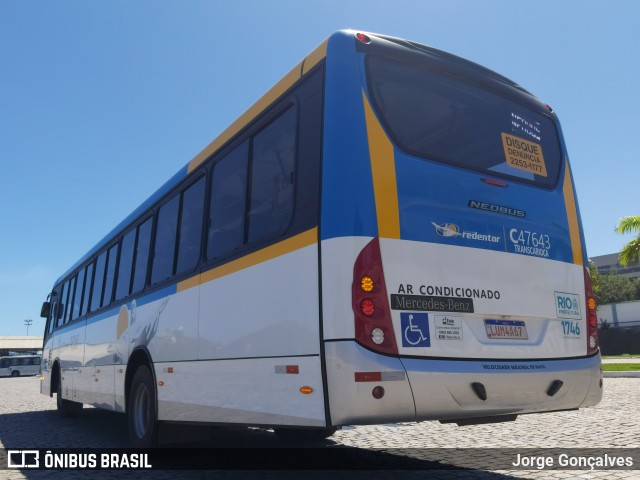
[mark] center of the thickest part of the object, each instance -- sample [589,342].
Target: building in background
[609,265]
[20,345]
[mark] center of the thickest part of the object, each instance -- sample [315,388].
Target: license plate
[506,329]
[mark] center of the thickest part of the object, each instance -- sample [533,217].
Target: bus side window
[77,298]
[227,207]
[110,275]
[123,285]
[272,174]
[53,312]
[87,289]
[191,217]
[69,311]
[142,255]
[96,297]
[165,245]
[62,308]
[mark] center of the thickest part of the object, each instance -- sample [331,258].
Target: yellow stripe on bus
[305,239]
[383,170]
[572,216]
[314,57]
[261,105]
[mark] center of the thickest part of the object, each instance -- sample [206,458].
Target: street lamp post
[28,322]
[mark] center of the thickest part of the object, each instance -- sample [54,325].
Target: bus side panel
[245,347]
[68,347]
[253,391]
[96,377]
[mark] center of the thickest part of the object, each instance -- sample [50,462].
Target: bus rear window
[442,118]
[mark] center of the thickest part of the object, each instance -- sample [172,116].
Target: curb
[621,374]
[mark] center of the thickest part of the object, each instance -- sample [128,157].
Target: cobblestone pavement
[29,420]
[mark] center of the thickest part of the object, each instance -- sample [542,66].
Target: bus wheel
[15,373]
[66,408]
[304,434]
[141,410]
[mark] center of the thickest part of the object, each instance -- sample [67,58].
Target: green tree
[614,289]
[595,276]
[630,253]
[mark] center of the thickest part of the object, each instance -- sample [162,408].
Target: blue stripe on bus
[107,313]
[152,297]
[70,327]
[157,295]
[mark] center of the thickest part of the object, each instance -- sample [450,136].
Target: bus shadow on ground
[229,451]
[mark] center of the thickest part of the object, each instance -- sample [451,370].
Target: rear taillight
[592,317]
[373,326]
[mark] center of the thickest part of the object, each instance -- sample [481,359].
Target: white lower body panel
[424,389]
[244,391]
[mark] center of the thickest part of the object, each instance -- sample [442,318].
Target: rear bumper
[442,389]
[424,389]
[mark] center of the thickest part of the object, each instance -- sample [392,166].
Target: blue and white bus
[390,234]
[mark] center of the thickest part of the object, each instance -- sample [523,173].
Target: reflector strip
[287,369]
[392,376]
[368,376]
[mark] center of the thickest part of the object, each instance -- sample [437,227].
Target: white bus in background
[19,365]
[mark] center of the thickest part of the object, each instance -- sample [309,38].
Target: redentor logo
[23,458]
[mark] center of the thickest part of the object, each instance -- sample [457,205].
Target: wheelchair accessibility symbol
[415,329]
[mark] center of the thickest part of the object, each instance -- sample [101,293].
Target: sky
[101,102]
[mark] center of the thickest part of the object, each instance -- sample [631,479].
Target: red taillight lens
[367,307]
[373,325]
[592,317]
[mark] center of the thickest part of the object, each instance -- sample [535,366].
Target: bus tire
[142,410]
[66,408]
[15,373]
[308,435]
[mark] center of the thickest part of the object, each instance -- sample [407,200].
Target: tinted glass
[191,227]
[442,118]
[126,265]
[55,307]
[142,256]
[69,309]
[228,194]
[110,275]
[272,175]
[62,308]
[96,297]
[165,245]
[77,298]
[87,290]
